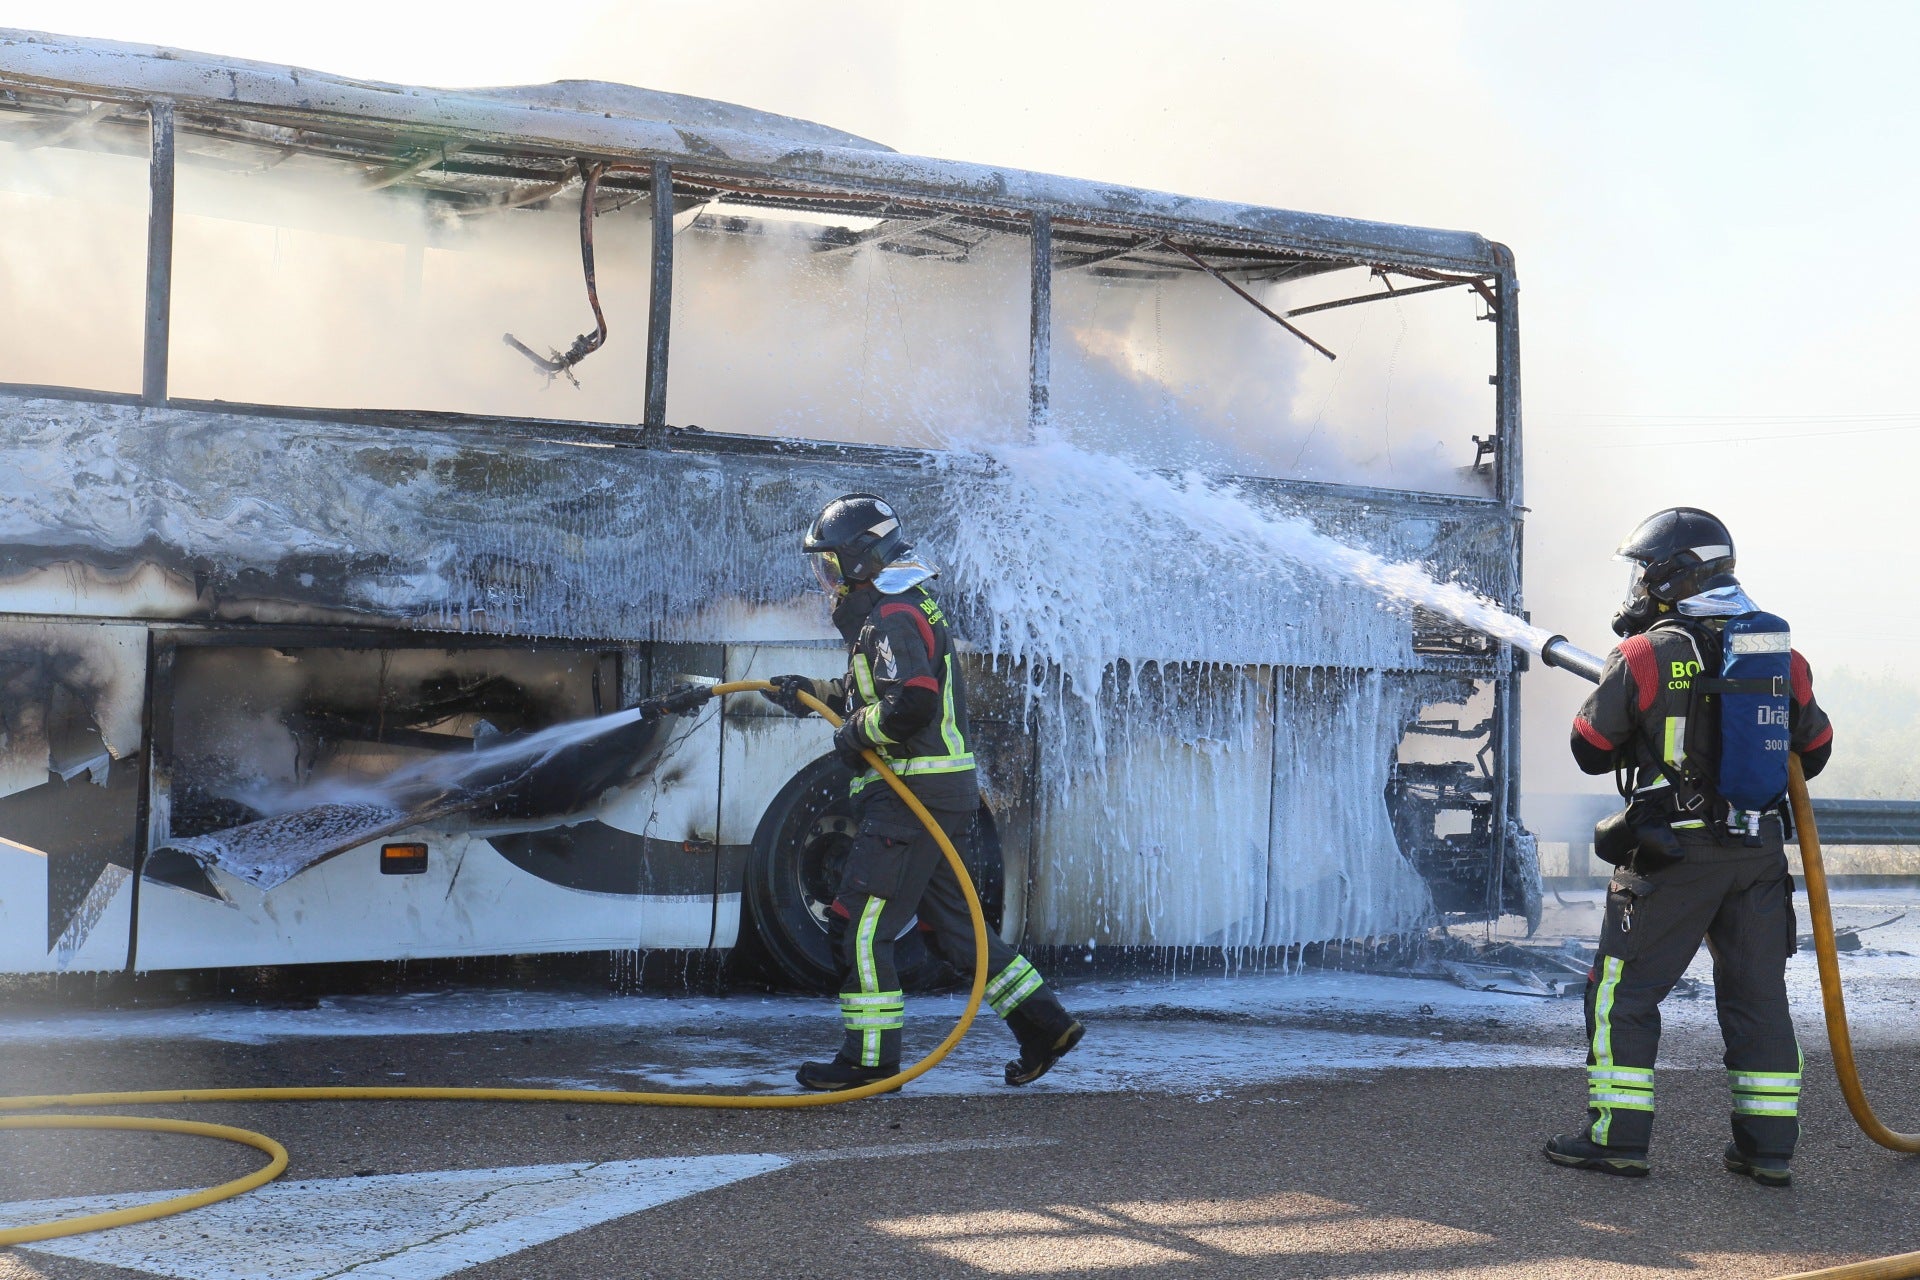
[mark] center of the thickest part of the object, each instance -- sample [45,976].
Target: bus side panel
[763,746]
[469,902]
[71,759]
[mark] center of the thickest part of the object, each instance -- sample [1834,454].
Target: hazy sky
[1708,204]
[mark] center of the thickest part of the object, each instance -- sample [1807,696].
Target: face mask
[826,569]
[1637,609]
[1636,594]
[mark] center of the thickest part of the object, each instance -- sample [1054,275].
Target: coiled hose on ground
[277,1154]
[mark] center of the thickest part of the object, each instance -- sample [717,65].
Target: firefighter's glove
[849,742]
[786,692]
[686,701]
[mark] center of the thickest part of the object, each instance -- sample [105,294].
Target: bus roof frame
[504,120]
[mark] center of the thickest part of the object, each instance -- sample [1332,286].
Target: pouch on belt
[877,860]
[1634,836]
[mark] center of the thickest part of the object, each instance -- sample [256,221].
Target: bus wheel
[798,852]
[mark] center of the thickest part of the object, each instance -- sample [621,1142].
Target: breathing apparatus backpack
[1747,704]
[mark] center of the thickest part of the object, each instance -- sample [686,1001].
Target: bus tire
[793,869]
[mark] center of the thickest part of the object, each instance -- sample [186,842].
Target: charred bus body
[254,656]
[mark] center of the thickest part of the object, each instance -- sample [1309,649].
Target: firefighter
[1691,864]
[903,698]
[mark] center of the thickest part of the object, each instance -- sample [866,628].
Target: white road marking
[409,1226]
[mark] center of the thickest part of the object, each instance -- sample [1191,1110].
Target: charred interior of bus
[481,291]
[257,730]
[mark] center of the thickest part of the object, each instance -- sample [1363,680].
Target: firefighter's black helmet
[1675,553]
[854,537]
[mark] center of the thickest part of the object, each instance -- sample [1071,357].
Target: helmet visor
[826,569]
[1636,583]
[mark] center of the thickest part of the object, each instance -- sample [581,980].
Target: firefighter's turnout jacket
[903,696]
[1717,879]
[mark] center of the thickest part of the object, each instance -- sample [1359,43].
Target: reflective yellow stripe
[1007,1003]
[1012,985]
[1630,1075]
[935,764]
[1630,1088]
[869,978]
[863,946]
[871,999]
[916,765]
[1676,745]
[1606,1102]
[1017,969]
[863,678]
[949,723]
[870,725]
[1765,1093]
[1610,969]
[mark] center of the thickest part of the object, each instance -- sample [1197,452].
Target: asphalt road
[1375,1172]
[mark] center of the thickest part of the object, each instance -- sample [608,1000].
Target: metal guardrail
[1868,821]
[1570,818]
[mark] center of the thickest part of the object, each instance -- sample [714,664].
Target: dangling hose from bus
[1557,652]
[277,1154]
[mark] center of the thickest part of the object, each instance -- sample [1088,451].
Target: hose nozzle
[1558,651]
[682,703]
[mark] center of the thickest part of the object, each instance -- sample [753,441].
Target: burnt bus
[317,598]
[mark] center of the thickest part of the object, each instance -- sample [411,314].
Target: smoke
[1179,372]
[73,238]
[778,333]
[295,282]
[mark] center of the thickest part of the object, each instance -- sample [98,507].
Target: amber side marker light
[403,859]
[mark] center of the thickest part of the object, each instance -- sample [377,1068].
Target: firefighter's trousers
[1740,900]
[895,871]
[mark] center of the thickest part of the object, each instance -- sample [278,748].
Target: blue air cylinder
[1755,680]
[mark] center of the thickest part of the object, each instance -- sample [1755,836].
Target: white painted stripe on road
[410,1226]
[403,1226]
[941,1147]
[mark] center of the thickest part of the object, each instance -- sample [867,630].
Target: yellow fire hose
[1902,1266]
[336,1093]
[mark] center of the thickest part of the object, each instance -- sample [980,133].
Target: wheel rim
[823,856]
